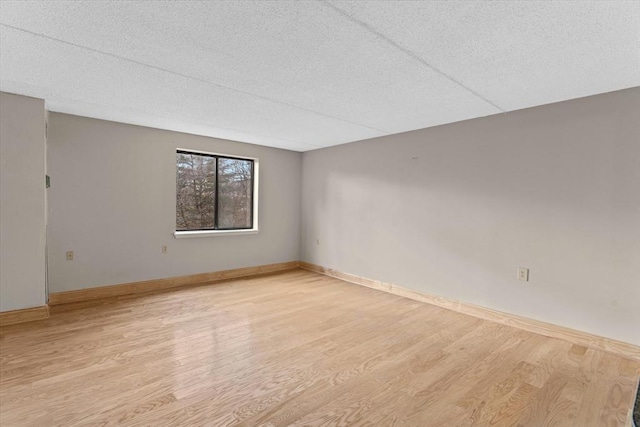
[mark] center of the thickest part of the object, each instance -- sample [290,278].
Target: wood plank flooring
[302,349]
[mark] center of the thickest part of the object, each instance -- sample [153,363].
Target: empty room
[319,213]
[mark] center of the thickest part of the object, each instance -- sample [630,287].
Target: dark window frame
[216,199]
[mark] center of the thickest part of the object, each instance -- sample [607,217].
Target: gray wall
[112,201]
[454,210]
[451,210]
[22,202]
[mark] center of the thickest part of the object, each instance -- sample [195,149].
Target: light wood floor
[301,349]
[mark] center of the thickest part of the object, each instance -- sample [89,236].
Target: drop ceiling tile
[517,54]
[310,74]
[66,75]
[300,54]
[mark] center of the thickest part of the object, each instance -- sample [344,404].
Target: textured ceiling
[302,75]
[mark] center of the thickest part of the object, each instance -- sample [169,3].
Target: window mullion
[216,202]
[252,193]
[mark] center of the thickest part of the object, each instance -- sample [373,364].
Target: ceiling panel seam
[407,52]
[315,146]
[122,58]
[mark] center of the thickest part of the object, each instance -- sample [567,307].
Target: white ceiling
[308,74]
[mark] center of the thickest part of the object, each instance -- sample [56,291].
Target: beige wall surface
[22,202]
[112,201]
[455,210]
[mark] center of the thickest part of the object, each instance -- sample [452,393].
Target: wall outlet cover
[523,274]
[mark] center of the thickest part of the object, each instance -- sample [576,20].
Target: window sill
[211,233]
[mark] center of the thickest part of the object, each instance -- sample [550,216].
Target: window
[214,192]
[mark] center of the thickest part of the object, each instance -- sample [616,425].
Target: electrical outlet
[164,249]
[69,255]
[523,274]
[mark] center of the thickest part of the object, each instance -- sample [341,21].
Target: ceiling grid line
[408,52]
[191,78]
